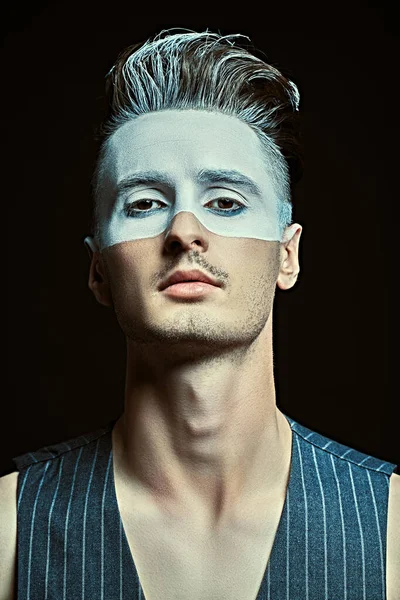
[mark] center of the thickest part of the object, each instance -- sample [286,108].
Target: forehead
[183,143]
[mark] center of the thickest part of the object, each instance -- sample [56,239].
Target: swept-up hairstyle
[206,71]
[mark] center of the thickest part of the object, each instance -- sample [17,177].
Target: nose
[185,231]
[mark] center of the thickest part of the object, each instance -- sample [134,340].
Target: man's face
[180,145]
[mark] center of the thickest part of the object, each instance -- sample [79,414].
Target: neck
[204,435]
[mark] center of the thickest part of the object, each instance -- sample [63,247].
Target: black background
[333,331]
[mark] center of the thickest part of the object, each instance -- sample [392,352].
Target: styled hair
[206,71]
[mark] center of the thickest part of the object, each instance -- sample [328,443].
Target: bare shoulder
[8,535]
[393,540]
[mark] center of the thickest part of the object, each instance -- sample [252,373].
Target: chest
[176,561]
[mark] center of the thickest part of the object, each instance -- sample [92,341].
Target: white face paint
[208,164]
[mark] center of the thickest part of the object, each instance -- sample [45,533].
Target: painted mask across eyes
[223,212]
[209,165]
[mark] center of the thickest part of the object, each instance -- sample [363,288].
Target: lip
[189,289]
[194,276]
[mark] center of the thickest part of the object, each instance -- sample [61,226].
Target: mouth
[189,289]
[188,278]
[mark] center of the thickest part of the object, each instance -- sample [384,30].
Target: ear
[290,267]
[98,281]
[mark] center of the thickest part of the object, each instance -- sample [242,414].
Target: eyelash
[128,209]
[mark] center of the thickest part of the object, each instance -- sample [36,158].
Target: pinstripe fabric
[330,543]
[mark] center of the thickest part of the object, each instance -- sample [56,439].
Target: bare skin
[200,433]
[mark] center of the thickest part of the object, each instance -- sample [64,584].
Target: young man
[203,488]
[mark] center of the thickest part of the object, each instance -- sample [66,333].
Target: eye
[131,209]
[229,200]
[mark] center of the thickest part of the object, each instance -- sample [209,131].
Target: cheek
[129,255]
[127,267]
[255,258]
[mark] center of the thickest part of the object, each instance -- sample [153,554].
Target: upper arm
[8,535]
[393,540]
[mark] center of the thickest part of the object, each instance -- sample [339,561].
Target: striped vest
[330,543]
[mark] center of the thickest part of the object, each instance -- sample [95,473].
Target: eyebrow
[227,176]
